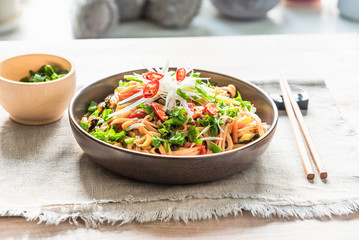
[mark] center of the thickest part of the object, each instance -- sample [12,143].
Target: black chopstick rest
[301,98]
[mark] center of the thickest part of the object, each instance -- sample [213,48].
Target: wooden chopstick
[310,143]
[297,133]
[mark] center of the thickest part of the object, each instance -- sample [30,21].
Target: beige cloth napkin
[45,175]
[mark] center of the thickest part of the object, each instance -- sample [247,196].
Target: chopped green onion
[95,113]
[193,135]
[214,147]
[117,136]
[105,115]
[129,140]
[157,141]
[132,78]
[195,75]
[243,104]
[178,138]
[84,125]
[122,83]
[190,89]
[46,73]
[202,89]
[148,109]
[107,135]
[182,94]
[228,100]
[92,107]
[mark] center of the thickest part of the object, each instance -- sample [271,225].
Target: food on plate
[45,74]
[173,113]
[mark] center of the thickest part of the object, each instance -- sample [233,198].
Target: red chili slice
[203,150]
[159,112]
[138,115]
[152,76]
[210,108]
[181,74]
[187,144]
[191,106]
[151,89]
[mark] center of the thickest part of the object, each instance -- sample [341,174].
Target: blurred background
[69,19]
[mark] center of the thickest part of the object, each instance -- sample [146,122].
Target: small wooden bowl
[35,103]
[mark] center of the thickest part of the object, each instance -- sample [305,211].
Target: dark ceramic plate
[172,169]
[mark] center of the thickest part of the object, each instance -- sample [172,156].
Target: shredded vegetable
[169,112]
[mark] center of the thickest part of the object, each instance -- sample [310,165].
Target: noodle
[224,123]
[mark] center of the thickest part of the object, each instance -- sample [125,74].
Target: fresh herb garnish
[164,129]
[148,109]
[214,147]
[108,135]
[46,73]
[84,125]
[182,94]
[132,78]
[232,112]
[221,105]
[92,107]
[157,141]
[105,114]
[193,135]
[178,138]
[95,113]
[243,104]
[178,113]
[200,87]
[213,121]
[177,118]
[123,84]
[195,75]
[129,140]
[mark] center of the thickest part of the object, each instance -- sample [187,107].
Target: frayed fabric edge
[93,215]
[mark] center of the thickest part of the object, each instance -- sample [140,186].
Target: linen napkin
[45,175]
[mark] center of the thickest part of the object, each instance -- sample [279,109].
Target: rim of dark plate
[266,135]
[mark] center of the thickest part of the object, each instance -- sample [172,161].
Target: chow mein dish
[173,113]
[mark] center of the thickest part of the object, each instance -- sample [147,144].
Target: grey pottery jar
[93,18]
[130,9]
[349,9]
[172,13]
[244,9]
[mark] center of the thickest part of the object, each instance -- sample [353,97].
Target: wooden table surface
[332,57]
